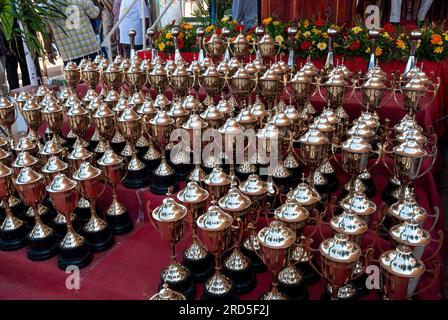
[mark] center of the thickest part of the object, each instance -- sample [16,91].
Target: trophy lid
[86,172]
[340,249]
[110,158]
[90,96]
[52,107]
[195,67]
[177,110]
[245,117]
[241,73]
[309,68]
[192,193]
[191,103]
[24,144]
[71,66]
[336,80]
[42,91]
[103,112]
[206,62]
[161,101]
[48,99]
[158,70]
[410,233]
[284,66]
[4,155]
[270,75]
[79,153]
[23,96]
[146,65]
[349,223]
[217,178]
[358,203]
[5,103]
[211,71]
[234,200]
[374,82]
[330,115]
[31,105]
[170,66]
[161,119]
[276,236]
[5,171]
[28,176]
[231,127]
[251,68]
[61,183]
[180,71]
[291,211]
[253,186]
[76,110]
[24,159]
[345,70]
[129,115]
[258,109]
[269,131]
[118,60]
[301,77]
[147,108]
[224,106]
[322,124]
[125,64]
[406,123]
[195,122]
[280,119]
[408,209]
[223,67]
[369,119]
[401,262]
[235,63]
[412,134]
[91,66]
[215,219]
[410,148]
[212,113]
[415,84]
[360,128]
[167,294]
[356,144]
[114,67]
[54,164]
[305,195]
[292,113]
[50,148]
[137,99]
[313,137]
[277,68]
[169,211]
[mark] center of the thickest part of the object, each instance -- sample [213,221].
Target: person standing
[108,23]
[395,10]
[245,12]
[74,36]
[4,88]
[132,20]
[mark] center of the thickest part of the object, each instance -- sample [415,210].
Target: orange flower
[436,39]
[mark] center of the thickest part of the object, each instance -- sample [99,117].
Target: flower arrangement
[312,39]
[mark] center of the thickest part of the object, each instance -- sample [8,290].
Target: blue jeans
[245,11]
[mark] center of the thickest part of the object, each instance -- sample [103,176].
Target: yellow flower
[249,38]
[446,37]
[307,34]
[325,35]
[224,19]
[438,50]
[209,28]
[368,50]
[356,30]
[322,46]
[169,43]
[386,35]
[186,26]
[233,22]
[279,39]
[401,44]
[378,51]
[418,43]
[267,21]
[316,31]
[169,35]
[276,23]
[306,23]
[161,46]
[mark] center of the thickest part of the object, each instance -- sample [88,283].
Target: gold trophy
[72,76]
[266,45]
[91,75]
[98,235]
[214,47]
[158,77]
[131,127]
[105,123]
[237,266]
[32,115]
[135,78]
[212,82]
[168,219]
[182,159]
[217,182]
[269,84]
[147,111]
[53,116]
[240,46]
[13,232]
[163,177]
[78,118]
[181,81]
[216,234]
[73,248]
[7,118]
[117,215]
[276,241]
[42,243]
[195,256]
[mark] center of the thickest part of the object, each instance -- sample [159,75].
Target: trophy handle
[434,156]
[318,85]
[205,47]
[308,248]
[367,261]
[240,229]
[378,158]
[148,213]
[334,149]
[439,242]
[394,90]
[353,90]
[252,228]
[125,164]
[435,217]
[435,271]
[385,162]
[316,213]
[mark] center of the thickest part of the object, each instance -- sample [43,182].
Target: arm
[51,53]
[92,11]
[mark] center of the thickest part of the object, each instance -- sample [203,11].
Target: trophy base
[309,275]
[370,187]
[244,281]
[42,249]
[332,182]
[14,239]
[117,147]
[294,291]
[100,241]
[151,165]
[346,293]
[387,195]
[60,229]
[257,265]
[18,211]
[141,151]
[296,175]
[207,170]
[70,143]
[82,216]
[119,224]
[136,179]
[229,296]
[92,145]
[186,287]
[360,284]
[200,270]
[182,170]
[80,256]
[242,175]
[284,184]
[160,184]
[323,189]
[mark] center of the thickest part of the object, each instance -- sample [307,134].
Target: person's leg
[250,12]
[127,49]
[424,8]
[395,11]
[238,10]
[4,88]
[11,70]
[22,61]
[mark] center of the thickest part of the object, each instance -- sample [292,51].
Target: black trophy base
[92,145]
[70,143]
[182,171]
[120,224]
[230,296]
[136,179]
[82,215]
[200,270]
[360,284]
[207,170]
[244,281]
[160,184]
[242,175]
[100,241]
[141,151]
[257,265]
[323,189]
[387,195]
[309,275]
[296,175]
[14,239]
[18,211]
[117,147]
[151,165]
[80,256]
[332,182]
[186,287]
[294,291]
[42,249]
[284,184]
[60,229]
[327,295]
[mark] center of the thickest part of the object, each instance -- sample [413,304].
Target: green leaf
[6,19]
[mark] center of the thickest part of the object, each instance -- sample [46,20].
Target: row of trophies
[226,204]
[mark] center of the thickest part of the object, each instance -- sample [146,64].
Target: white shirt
[132,20]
